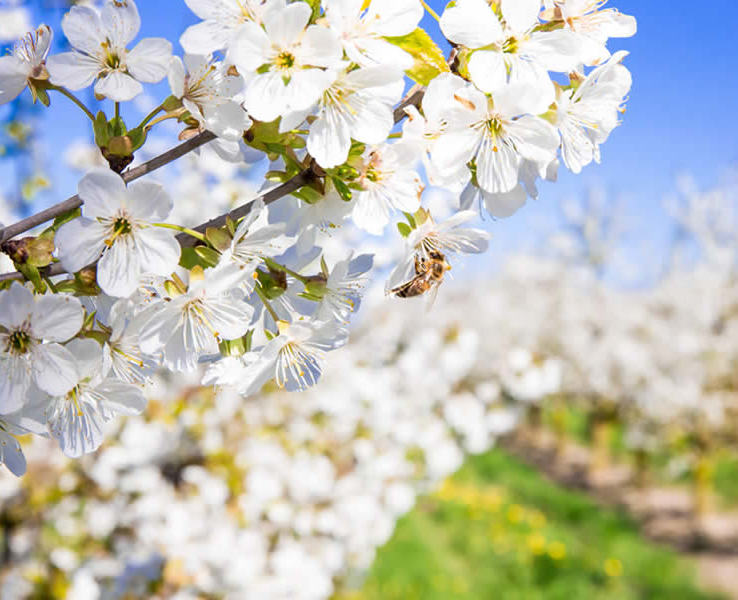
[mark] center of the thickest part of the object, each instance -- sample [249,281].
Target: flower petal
[286,26]
[80,243]
[205,37]
[72,70]
[471,23]
[103,191]
[11,454]
[148,201]
[54,369]
[13,75]
[15,382]
[56,317]
[149,59]
[521,15]
[158,250]
[84,29]
[16,304]
[121,20]
[119,269]
[119,87]
[121,398]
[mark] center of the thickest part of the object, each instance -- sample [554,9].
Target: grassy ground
[498,530]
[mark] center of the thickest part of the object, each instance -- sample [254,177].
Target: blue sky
[680,119]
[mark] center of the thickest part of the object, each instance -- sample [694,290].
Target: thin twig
[130,175]
[412,98]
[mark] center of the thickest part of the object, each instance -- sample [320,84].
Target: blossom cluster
[114,290]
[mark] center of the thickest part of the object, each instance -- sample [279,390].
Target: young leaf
[429,60]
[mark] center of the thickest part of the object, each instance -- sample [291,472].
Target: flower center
[285,60]
[511,45]
[494,126]
[121,226]
[19,342]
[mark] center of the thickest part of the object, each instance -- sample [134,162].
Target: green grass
[498,530]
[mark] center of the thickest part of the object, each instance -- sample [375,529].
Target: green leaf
[429,60]
[404,229]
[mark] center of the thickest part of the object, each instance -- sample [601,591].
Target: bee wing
[402,274]
[432,295]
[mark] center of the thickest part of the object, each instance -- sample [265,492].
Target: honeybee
[429,272]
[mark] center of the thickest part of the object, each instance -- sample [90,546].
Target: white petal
[286,26]
[394,17]
[373,121]
[148,201]
[521,15]
[103,192]
[15,383]
[230,318]
[119,269]
[57,317]
[471,23]
[305,87]
[89,357]
[13,76]
[78,427]
[205,38]
[506,204]
[118,87]
[159,327]
[228,121]
[320,47]
[16,304]
[176,77]
[535,138]
[80,243]
[84,29]
[266,97]
[329,141]
[250,48]
[11,454]
[488,70]
[158,251]
[497,167]
[72,70]
[370,213]
[149,59]
[54,369]
[121,398]
[121,20]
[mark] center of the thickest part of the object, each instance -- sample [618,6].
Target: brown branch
[304,177]
[130,175]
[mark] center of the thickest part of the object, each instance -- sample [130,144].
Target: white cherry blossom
[363,29]
[25,62]
[32,329]
[188,322]
[116,226]
[76,419]
[341,293]
[387,182]
[284,61]
[588,113]
[99,40]
[497,134]
[222,19]
[357,105]
[207,89]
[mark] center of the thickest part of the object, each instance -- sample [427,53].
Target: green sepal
[40,251]
[64,218]
[32,274]
[429,61]
[137,137]
[269,285]
[411,220]
[171,104]
[102,130]
[308,194]
[208,256]
[343,190]
[188,258]
[218,238]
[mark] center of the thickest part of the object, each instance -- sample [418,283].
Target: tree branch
[304,177]
[130,175]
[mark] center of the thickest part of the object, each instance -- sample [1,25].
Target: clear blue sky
[681,115]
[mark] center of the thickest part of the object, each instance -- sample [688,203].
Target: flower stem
[279,267]
[117,110]
[190,232]
[172,115]
[73,98]
[431,12]
[151,115]
[265,302]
